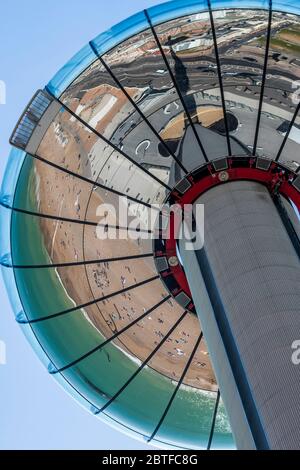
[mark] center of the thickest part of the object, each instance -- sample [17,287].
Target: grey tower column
[245,284]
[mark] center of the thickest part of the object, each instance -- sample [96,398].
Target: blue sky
[36,39]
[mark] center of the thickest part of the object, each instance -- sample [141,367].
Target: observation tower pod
[150,225]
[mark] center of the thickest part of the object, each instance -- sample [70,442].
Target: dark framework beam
[76,263]
[91,182]
[212,429]
[136,107]
[292,122]
[91,302]
[219,69]
[113,337]
[263,82]
[66,219]
[141,367]
[186,368]
[176,86]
